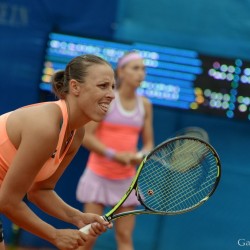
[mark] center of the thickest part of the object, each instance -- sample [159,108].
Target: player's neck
[74,113]
[127,93]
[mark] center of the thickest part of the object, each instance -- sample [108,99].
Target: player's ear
[74,86]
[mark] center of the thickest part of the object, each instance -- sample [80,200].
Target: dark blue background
[220,28]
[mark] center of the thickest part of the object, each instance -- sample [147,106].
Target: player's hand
[123,157]
[136,159]
[98,224]
[68,239]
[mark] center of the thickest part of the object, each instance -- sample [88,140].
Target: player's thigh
[126,223]
[2,246]
[95,208]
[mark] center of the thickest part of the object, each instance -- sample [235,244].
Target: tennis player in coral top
[113,145]
[39,141]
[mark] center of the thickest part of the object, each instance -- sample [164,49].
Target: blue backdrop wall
[216,28]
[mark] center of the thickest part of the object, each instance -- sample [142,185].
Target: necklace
[69,138]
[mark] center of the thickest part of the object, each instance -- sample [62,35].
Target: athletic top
[119,130]
[8,151]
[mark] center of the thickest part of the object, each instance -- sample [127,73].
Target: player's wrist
[110,153]
[141,153]
[75,218]
[51,234]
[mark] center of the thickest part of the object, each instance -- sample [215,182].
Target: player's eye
[139,68]
[103,85]
[136,68]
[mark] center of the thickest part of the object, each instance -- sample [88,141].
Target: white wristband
[110,153]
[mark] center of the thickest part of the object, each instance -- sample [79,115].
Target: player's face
[133,73]
[97,92]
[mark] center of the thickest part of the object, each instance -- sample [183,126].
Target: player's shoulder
[146,102]
[43,118]
[45,112]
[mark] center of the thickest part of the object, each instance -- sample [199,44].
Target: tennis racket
[177,176]
[196,132]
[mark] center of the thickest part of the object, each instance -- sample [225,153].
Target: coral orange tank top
[8,151]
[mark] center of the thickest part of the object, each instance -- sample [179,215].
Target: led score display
[175,78]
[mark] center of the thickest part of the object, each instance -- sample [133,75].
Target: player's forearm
[21,215]
[61,210]
[93,144]
[147,147]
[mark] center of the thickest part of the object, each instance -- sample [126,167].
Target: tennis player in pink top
[39,141]
[113,149]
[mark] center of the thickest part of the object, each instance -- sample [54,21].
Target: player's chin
[98,118]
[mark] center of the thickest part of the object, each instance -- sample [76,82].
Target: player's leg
[124,230]
[1,237]
[96,209]
[2,246]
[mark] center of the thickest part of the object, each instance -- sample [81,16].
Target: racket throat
[120,215]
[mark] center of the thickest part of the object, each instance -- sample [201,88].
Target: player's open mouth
[104,107]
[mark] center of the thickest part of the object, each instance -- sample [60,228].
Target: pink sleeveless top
[8,151]
[119,130]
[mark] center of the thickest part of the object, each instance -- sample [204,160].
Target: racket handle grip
[86,228]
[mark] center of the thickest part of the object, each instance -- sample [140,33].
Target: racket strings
[187,187]
[173,186]
[184,156]
[163,155]
[169,192]
[154,167]
[192,202]
[175,163]
[167,195]
[193,198]
[191,178]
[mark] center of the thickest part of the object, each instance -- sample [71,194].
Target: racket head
[178,176]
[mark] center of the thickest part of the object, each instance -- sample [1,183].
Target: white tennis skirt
[93,188]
